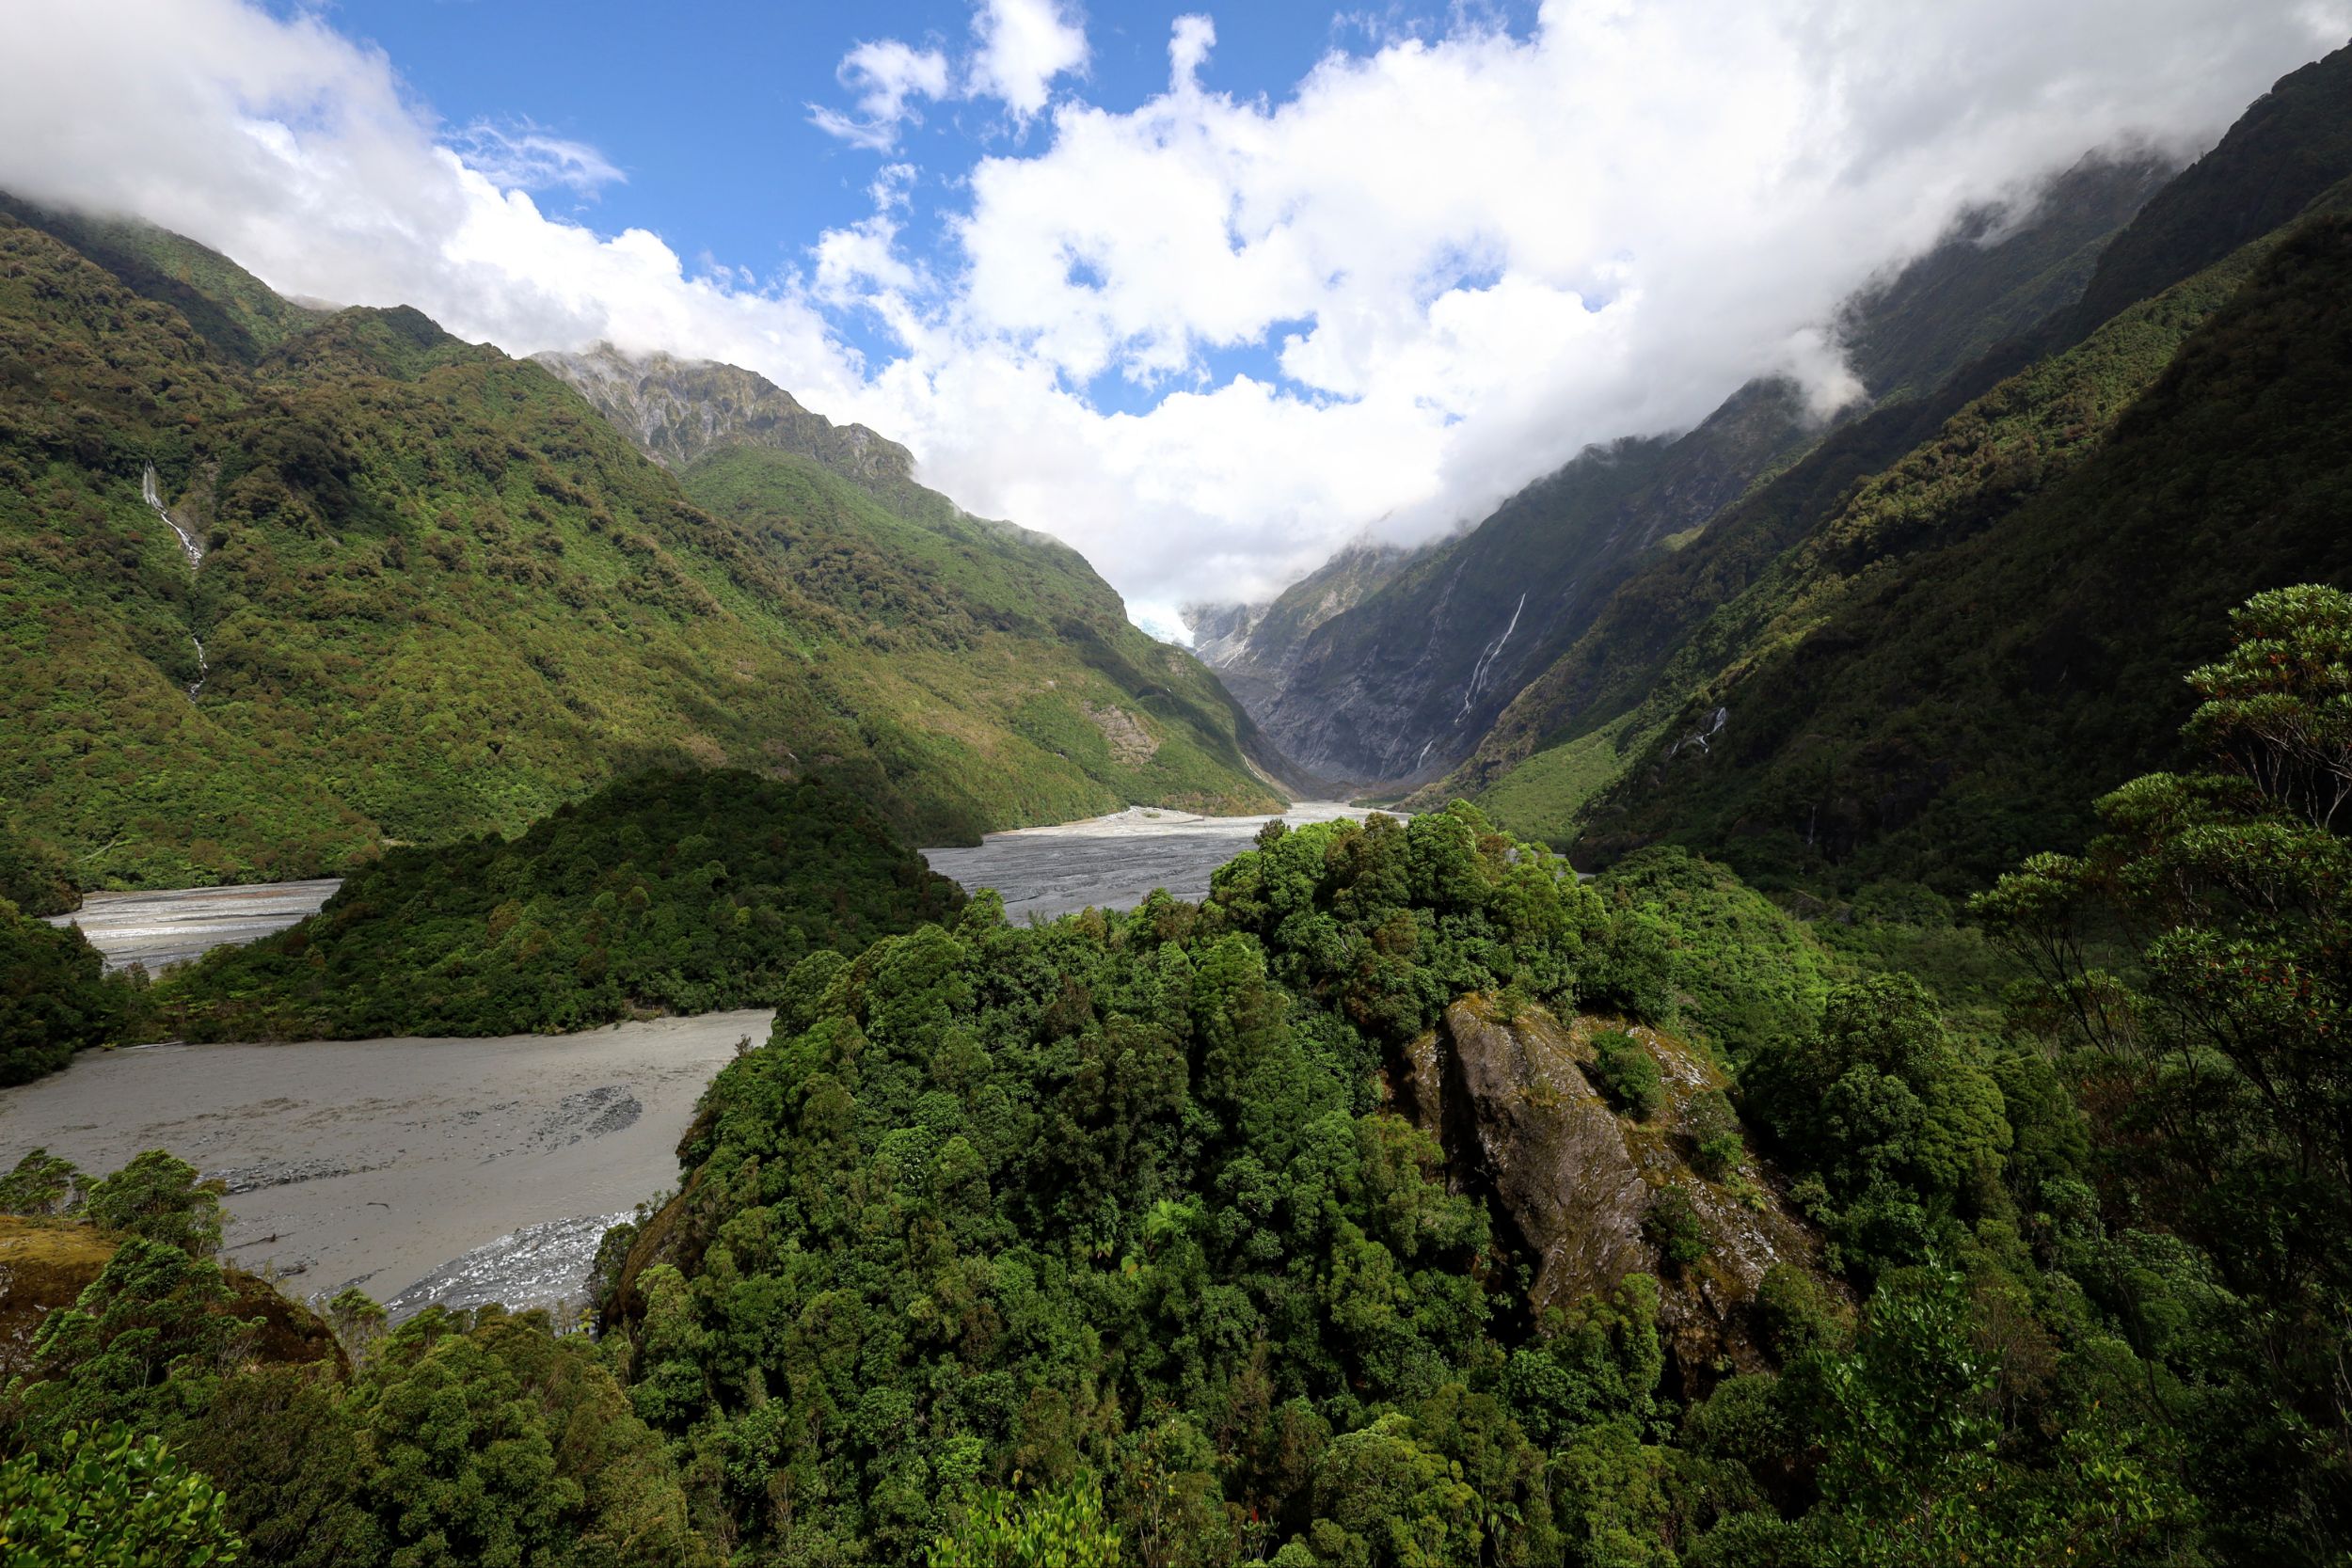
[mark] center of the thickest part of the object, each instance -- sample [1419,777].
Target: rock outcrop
[676,410]
[46,1263]
[1506,1094]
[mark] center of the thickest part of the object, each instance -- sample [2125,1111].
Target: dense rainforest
[1409,1200]
[669,892]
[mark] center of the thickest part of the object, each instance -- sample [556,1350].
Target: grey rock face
[1520,1111]
[677,409]
[1520,1124]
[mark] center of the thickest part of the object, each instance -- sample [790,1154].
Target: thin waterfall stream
[152,494]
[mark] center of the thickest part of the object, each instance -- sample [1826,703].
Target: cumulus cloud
[888,77]
[1449,262]
[1024,44]
[1189,40]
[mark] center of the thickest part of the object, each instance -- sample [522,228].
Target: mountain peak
[676,410]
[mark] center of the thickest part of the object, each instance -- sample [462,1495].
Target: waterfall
[154,498]
[1478,672]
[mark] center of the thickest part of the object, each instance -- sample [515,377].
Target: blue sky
[706,112]
[1207,290]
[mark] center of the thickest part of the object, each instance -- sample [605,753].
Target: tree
[2277,709]
[160,1198]
[111,1500]
[1061,1529]
[43,1186]
[1627,1074]
[55,997]
[496,1441]
[1899,1118]
[136,1346]
[2193,968]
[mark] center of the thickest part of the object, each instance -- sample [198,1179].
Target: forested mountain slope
[1404,684]
[1921,651]
[438,595]
[1929,692]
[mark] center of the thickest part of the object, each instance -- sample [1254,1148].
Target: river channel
[470,1170]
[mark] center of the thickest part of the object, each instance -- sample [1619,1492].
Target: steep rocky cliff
[1506,1093]
[1252,647]
[1918,653]
[1402,684]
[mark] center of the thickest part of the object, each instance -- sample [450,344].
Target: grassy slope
[1018,661]
[442,597]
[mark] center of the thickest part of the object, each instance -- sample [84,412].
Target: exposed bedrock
[1507,1096]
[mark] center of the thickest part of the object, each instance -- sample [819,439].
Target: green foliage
[465,1438]
[1915,1471]
[286,1445]
[1721,959]
[34,876]
[1713,1129]
[54,997]
[989,1190]
[1897,1118]
[138,1346]
[441,596]
[111,1500]
[1932,641]
[2278,710]
[1672,1225]
[159,1198]
[43,1186]
[672,892]
[1627,1074]
[2209,1052]
[496,1441]
[1064,1528]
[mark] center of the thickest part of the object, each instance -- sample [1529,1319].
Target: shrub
[1626,1075]
[159,1198]
[1714,1131]
[1673,1227]
[112,1500]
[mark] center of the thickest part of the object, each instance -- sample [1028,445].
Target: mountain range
[1913,638]
[281,585]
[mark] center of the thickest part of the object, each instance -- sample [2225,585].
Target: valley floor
[1112,862]
[384,1164]
[174,925]
[470,1170]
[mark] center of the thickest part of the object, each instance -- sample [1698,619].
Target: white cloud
[888,76]
[1189,40]
[524,156]
[1024,44]
[1469,254]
